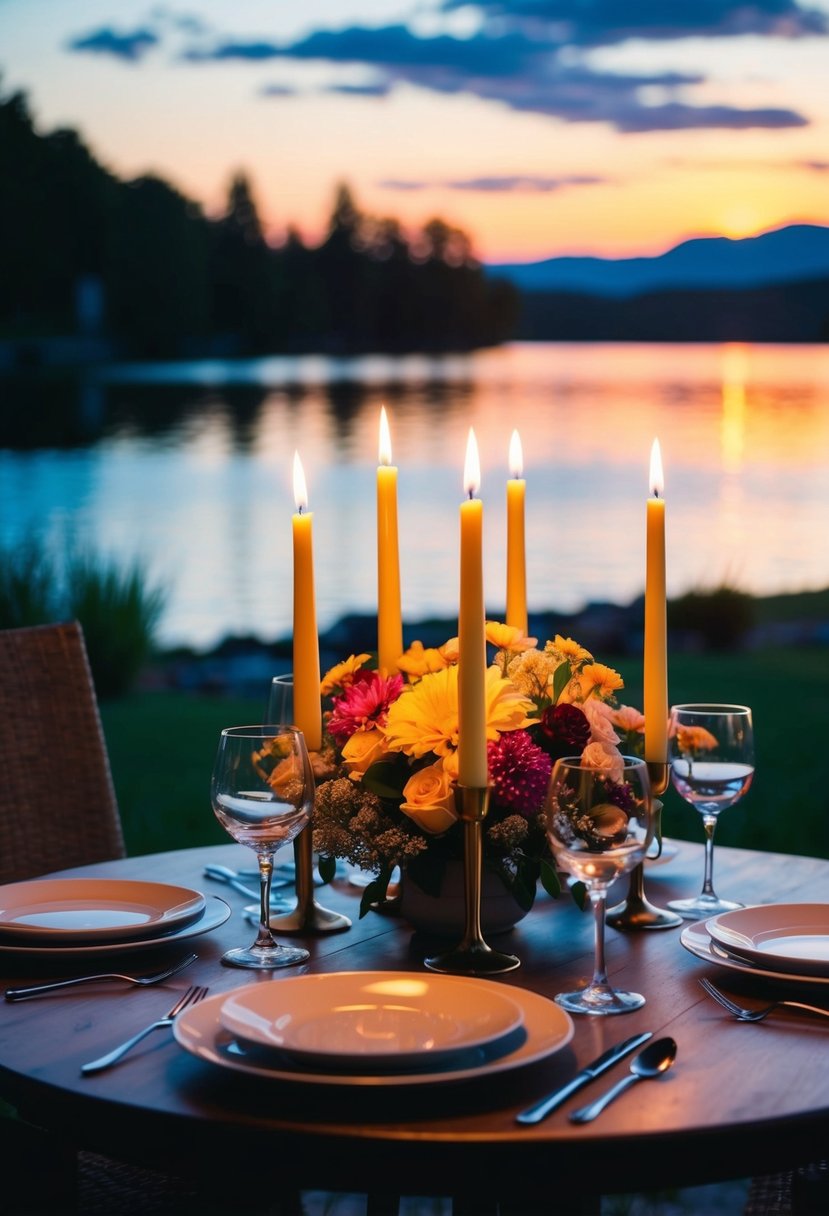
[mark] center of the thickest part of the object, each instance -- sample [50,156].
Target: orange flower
[508,637]
[419,660]
[599,680]
[694,739]
[342,674]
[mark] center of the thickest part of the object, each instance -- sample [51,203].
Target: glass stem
[709,823]
[264,937]
[598,898]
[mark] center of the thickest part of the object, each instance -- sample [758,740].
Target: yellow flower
[508,637]
[450,650]
[342,674]
[532,672]
[429,799]
[600,680]
[361,751]
[419,661]
[425,717]
[566,648]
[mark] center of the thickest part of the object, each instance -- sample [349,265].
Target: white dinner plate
[216,912]
[70,911]
[370,1019]
[788,937]
[545,1029]
[695,937]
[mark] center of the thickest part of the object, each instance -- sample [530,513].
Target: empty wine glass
[712,767]
[599,825]
[262,792]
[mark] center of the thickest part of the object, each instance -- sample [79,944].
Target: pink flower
[364,704]
[519,771]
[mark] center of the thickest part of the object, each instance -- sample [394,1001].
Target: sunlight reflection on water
[191,471]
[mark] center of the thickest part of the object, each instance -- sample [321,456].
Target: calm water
[189,468]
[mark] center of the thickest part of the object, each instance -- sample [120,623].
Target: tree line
[175,282]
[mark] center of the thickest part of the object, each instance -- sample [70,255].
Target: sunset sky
[541,127]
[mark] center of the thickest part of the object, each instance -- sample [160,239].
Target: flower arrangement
[390,758]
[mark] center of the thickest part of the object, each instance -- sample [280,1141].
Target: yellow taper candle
[516,552]
[389,622]
[472,760]
[656,630]
[307,702]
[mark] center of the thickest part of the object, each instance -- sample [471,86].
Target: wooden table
[741,1100]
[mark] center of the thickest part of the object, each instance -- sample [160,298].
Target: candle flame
[300,488]
[656,477]
[516,456]
[385,438]
[472,466]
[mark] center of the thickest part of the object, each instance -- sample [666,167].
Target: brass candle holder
[636,911]
[472,956]
[308,916]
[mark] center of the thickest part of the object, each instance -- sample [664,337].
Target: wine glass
[599,825]
[262,792]
[712,767]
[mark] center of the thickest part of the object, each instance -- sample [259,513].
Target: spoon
[651,1061]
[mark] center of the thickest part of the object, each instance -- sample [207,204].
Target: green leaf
[549,879]
[579,893]
[560,680]
[384,779]
[374,893]
[327,868]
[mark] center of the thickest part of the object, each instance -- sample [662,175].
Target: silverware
[651,1062]
[192,996]
[759,1013]
[143,981]
[540,1110]
[231,878]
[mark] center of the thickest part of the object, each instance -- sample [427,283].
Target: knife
[540,1110]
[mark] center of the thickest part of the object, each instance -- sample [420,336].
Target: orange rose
[361,751]
[429,799]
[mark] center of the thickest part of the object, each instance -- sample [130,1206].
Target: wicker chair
[57,801]
[57,810]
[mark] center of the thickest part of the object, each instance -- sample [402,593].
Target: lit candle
[472,759]
[307,702]
[389,623]
[516,555]
[656,647]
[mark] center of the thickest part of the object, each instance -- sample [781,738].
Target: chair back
[57,800]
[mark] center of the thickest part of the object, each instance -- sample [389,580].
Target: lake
[188,467]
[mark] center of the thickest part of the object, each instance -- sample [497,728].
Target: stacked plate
[66,918]
[373,1028]
[777,941]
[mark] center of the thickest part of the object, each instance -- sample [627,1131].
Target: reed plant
[119,608]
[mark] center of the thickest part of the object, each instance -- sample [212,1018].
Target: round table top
[742,1099]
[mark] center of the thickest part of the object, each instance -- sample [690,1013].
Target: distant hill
[797,252]
[779,312]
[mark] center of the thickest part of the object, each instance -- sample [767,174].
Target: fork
[756,1015]
[192,996]
[143,981]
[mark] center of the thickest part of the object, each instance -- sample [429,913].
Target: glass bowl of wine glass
[262,793]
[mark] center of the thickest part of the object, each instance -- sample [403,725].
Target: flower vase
[444,914]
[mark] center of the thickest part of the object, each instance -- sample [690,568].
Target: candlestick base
[636,912]
[308,916]
[472,956]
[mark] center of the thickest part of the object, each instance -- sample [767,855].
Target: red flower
[519,771]
[564,730]
[364,704]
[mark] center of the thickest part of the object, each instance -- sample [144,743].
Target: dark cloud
[107,41]
[381,88]
[815,166]
[519,183]
[277,90]
[605,22]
